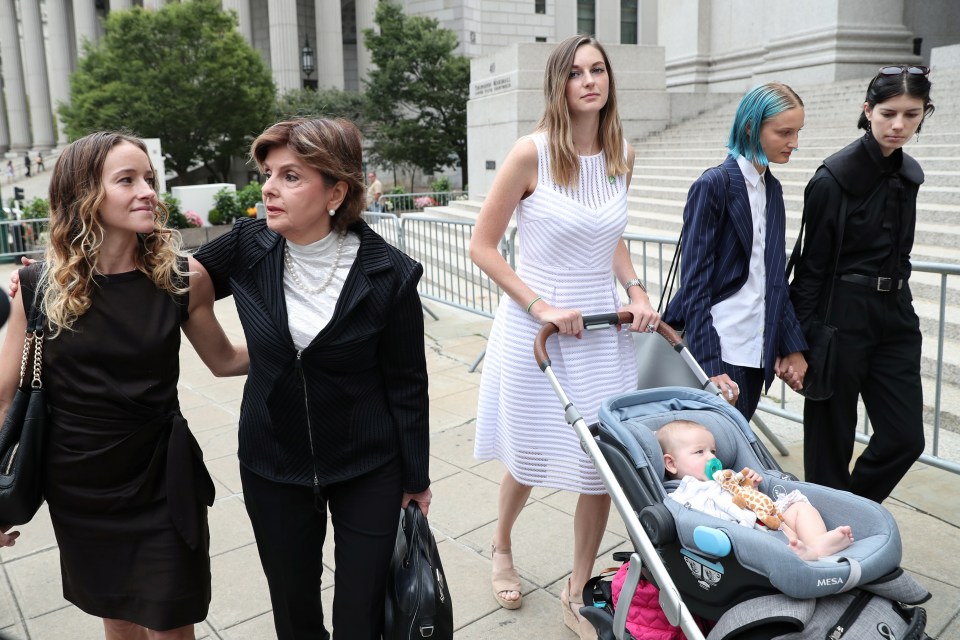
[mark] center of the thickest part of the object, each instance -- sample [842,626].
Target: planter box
[194,237]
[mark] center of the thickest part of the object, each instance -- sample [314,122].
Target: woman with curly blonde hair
[123,476]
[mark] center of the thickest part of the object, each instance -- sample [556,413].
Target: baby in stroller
[688,447]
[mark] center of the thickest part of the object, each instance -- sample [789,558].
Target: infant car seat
[715,563]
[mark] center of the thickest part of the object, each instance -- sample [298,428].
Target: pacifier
[713,465]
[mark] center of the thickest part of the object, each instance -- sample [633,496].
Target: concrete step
[667,186]
[668,214]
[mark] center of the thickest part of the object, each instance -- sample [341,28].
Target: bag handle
[674,271]
[418,535]
[33,341]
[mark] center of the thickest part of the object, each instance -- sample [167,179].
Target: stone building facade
[709,45]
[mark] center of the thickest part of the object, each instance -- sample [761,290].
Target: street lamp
[306,58]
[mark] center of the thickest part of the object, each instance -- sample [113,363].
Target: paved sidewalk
[463,516]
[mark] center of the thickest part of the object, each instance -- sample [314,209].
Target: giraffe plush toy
[746,496]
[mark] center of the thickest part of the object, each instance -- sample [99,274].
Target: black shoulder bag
[820,334]
[23,432]
[418,603]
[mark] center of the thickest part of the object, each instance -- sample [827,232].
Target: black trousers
[878,358]
[750,381]
[290,525]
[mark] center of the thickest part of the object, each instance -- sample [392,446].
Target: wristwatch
[636,282]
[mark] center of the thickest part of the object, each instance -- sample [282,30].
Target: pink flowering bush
[424,201]
[193,219]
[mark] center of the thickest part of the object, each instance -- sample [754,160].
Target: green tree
[418,92]
[182,74]
[325,103]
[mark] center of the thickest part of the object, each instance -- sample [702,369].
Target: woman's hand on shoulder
[568,321]
[14,284]
[423,499]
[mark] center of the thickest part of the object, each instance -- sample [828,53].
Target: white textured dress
[567,239]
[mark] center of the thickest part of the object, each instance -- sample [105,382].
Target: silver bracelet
[636,282]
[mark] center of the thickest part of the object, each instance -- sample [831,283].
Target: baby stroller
[711,568]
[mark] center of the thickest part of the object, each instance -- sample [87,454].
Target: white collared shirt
[739,320]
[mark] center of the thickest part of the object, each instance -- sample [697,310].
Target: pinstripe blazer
[715,258]
[356,397]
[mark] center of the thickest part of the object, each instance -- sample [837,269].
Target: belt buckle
[884,284]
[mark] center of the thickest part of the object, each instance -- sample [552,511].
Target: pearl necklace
[291,267]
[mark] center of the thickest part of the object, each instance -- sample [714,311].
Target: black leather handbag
[821,336]
[418,603]
[23,433]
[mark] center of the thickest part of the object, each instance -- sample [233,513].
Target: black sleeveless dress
[124,477]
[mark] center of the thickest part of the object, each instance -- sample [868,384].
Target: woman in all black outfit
[334,411]
[123,477]
[878,337]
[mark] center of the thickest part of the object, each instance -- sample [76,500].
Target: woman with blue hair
[733,302]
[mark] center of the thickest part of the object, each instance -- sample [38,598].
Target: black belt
[881,284]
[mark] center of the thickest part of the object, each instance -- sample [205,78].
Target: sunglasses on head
[900,69]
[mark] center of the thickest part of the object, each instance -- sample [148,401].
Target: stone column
[18,119]
[647,22]
[242,7]
[120,5]
[685,36]
[153,5]
[58,67]
[566,19]
[35,69]
[4,135]
[284,44]
[329,47]
[365,13]
[608,21]
[84,23]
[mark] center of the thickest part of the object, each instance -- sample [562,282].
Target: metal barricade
[23,238]
[402,203]
[387,225]
[449,275]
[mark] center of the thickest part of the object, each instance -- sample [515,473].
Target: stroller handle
[591,322]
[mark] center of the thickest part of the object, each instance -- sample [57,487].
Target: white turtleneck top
[309,313]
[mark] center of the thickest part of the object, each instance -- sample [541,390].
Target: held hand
[569,321]
[645,317]
[792,369]
[728,388]
[423,499]
[8,539]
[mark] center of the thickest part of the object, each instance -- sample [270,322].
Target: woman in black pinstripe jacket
[335,407]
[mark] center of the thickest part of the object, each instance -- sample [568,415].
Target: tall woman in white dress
[568,184]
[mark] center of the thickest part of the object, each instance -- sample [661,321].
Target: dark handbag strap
[33,342]
[674,269]
[797,248]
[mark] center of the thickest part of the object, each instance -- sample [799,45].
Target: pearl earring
[332,212]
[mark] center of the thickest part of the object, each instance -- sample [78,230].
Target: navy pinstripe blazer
[356,397]
[715,257]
